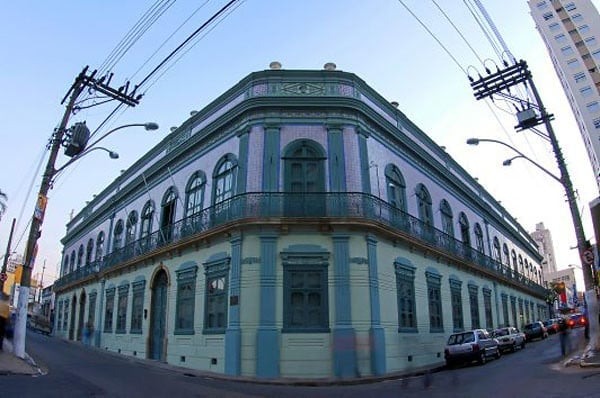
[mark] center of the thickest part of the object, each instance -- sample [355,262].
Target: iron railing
[332,205]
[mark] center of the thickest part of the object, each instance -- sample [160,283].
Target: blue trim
[243,161]
[271,159]
[233,334]
[344,337]
[377,336]
[267,338]
[336,160]
[363,155]
[344,353]
[374,280]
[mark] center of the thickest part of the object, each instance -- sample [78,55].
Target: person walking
[562,334]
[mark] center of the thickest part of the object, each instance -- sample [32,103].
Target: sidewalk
[12,365]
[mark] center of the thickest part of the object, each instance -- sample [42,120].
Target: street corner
[590,359]
[13,365]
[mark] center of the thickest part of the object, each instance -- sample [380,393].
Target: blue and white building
[298,226]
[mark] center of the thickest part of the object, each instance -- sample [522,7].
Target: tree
[3,199]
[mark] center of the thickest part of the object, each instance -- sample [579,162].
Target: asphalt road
[77,371]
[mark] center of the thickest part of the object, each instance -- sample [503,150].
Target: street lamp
[40,208]
[508,162]
[582,243]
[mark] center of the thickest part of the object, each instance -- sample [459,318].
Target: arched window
[513,255]
[88,253]
[72,265]
[194,194]
[479,238]
[224,178]
[447,218]
[168,209]
[521,268]
[424,205]
[497,256]
[130,227]
[304,167]
[99,246]
[118,235]
[80,256]
[65,269]
[147,216]
[506,255]
[465,233]
[396,187]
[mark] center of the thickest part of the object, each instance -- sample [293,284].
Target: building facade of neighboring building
[298,226]
[571,31]
[567,276]
[543,238]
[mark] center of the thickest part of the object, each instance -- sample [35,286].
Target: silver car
[473,345]
[509,338]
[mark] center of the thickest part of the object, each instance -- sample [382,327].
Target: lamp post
[40,208]
[582,243]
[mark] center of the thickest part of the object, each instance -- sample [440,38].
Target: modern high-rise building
[543,237]
[571,31]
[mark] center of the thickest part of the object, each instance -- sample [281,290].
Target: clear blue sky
[46,44]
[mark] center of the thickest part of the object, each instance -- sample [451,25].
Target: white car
[509,338]
[473,345]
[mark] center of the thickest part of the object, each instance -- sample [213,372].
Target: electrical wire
[185,42]
[457,31]
[434,37]
[193,44]
[135,33]
[169,38]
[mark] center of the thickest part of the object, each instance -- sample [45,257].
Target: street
[74,370]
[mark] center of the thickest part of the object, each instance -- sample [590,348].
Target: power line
[458,31]
[193,44]
[185,42]
[434,37]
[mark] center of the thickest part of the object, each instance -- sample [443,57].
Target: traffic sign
[587,257]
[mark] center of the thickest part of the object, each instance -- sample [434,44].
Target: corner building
[299,226]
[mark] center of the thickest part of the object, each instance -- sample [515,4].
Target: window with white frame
[215,295]
[596,122]
[405,288]
[573,63]
[570,6]
[137,306]
[100,246]
[554,27]
[590,41]
[548,15]
[579,77]
[585,91]
[560,38]
[122,308]
[577,18]
[567,50]
[593,107]
[583,29]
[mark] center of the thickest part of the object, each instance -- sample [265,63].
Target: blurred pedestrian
[563,336]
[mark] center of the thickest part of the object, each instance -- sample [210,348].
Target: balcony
[283,208]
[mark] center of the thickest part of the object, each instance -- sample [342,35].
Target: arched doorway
[82,301]
[158,316]
[72,322]
[304,179]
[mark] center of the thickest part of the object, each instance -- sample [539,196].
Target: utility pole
[3,275]
[82,81]
[497,83]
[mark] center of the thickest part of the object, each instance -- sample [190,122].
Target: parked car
[576,321]
[473,345]
[535,330]
[551,326]
[509,338]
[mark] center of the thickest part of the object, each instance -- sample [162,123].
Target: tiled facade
[309,230]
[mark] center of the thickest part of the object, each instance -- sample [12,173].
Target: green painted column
[377,334]
[233,334]
[243,161]
[267,336]
[271,159]
[336,159]
[344,336]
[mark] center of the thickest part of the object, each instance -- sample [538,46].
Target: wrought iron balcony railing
[331,205]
